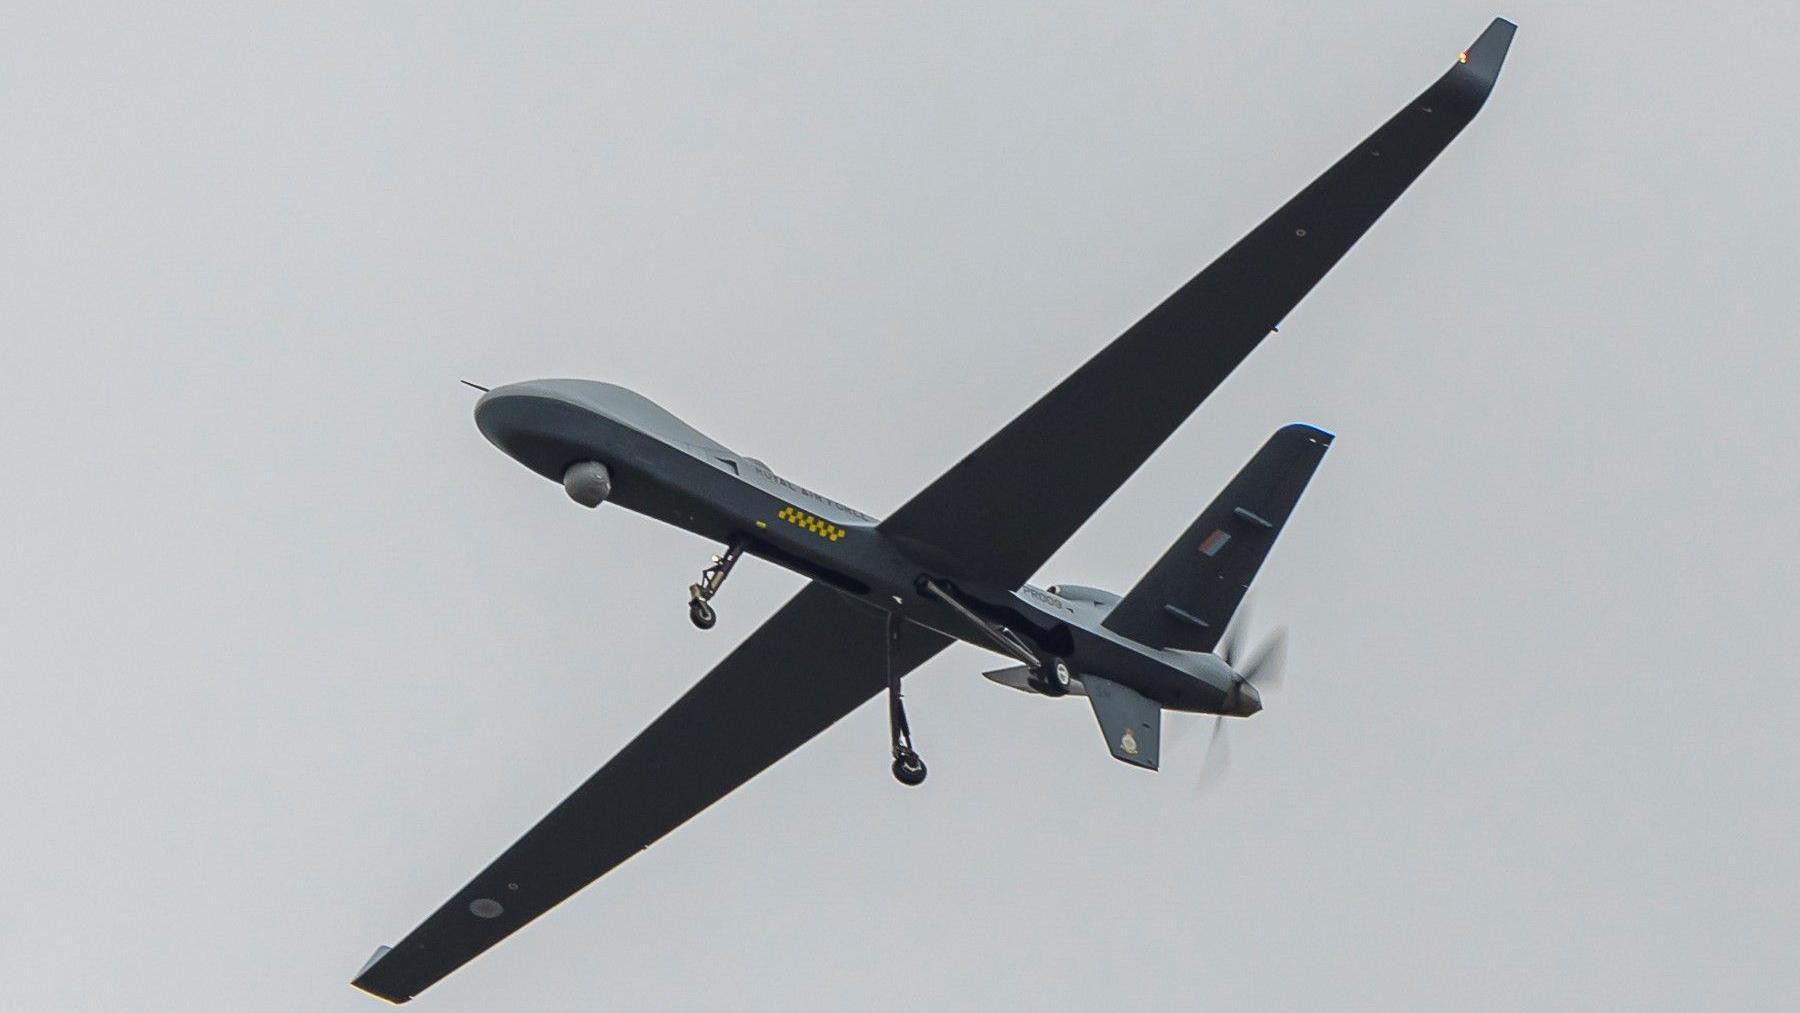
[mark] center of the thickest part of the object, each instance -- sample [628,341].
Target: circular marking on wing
[486,907]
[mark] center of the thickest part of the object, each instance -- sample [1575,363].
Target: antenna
[477,386]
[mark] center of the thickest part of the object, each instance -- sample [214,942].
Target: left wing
[812,663]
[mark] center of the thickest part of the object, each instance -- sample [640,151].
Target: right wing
[812,663]
[998,514]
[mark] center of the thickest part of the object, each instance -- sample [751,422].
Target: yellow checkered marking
[800,518]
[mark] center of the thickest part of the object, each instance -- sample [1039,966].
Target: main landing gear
[1050,678]
[700,610]
[908,768]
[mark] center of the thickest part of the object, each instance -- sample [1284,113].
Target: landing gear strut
[700,609]
[1051,678]
[908,768]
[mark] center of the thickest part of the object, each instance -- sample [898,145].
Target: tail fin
[1130,722]
[1187,598]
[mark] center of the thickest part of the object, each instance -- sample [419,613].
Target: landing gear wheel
[711,579]
[702,614]
[1054,679]
[909,769]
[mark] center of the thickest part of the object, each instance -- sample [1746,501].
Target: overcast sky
[291,652]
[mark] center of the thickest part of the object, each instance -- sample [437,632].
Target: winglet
[380,951]
[1480,63]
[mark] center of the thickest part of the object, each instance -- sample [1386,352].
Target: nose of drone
[542,424]
[515,417]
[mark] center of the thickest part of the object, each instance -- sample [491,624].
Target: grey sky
[291,652]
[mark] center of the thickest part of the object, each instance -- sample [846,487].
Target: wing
[1187,598]
[1001,511]
[815,661]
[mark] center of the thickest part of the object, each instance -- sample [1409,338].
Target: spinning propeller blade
[1262,668]
[1218,757]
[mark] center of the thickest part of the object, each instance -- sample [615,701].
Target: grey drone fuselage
[663,468]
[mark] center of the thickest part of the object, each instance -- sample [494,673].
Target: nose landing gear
[700,610]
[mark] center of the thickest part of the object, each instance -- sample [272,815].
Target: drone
[953,563]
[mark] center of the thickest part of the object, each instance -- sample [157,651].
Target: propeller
[1218,758]
[1262,668]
